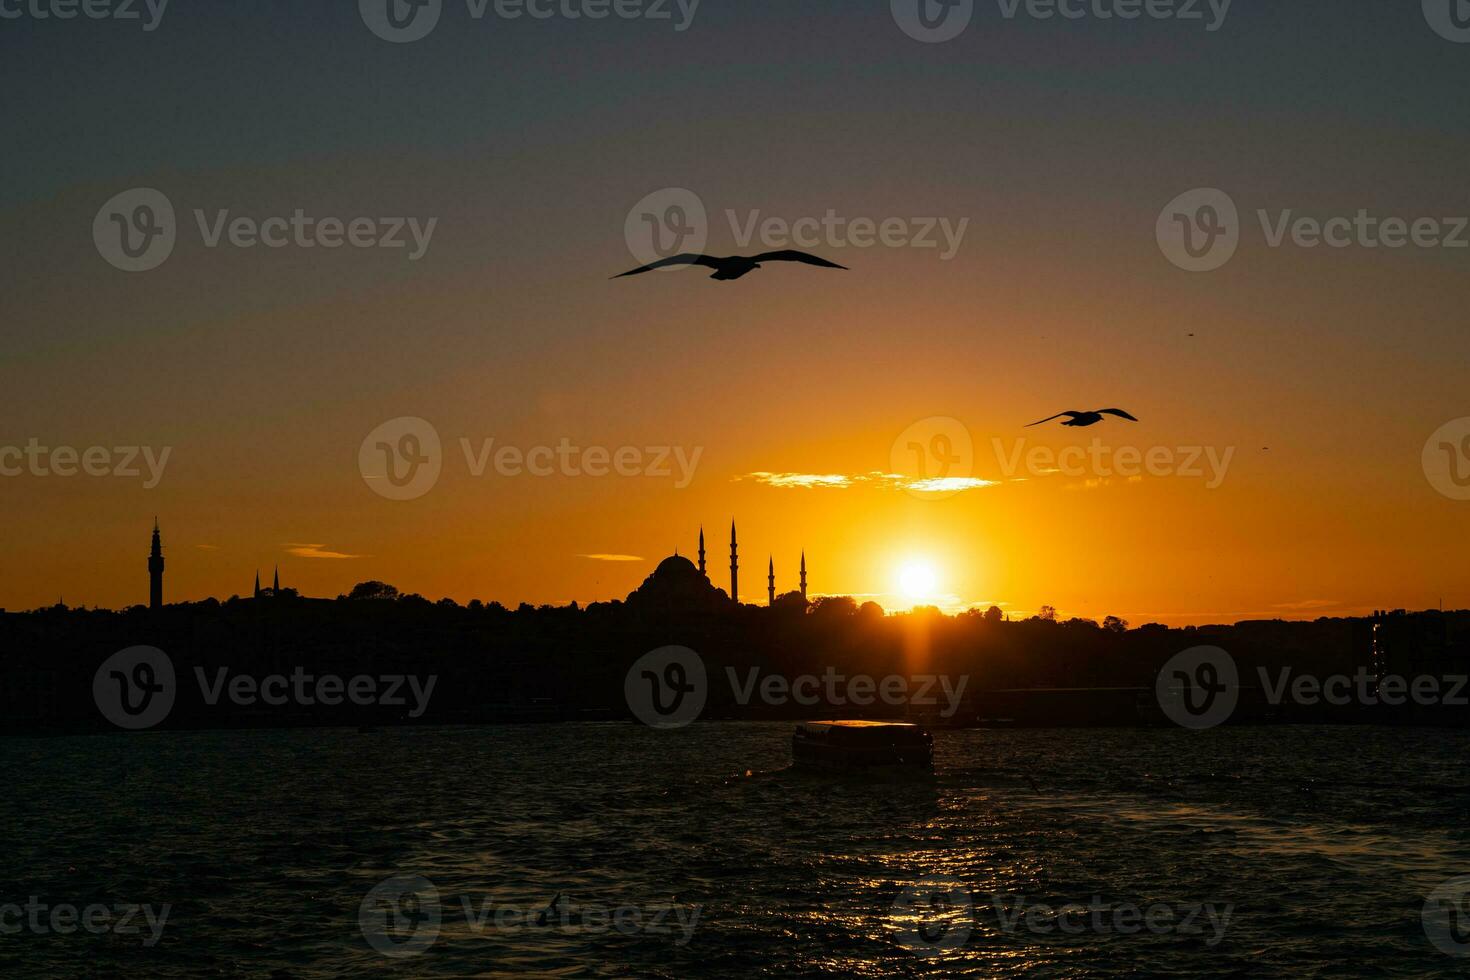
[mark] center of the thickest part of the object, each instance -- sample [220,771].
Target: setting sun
[917,579]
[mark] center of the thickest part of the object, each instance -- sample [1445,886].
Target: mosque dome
[676,566]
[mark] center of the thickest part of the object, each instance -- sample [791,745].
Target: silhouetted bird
[1084,419]
[734,266]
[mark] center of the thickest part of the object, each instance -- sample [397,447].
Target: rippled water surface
[1321,843]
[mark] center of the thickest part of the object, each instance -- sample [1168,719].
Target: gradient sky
[530,141]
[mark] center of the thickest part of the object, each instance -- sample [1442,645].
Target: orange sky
[264,370]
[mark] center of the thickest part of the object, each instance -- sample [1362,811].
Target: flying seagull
[1084,419]
[734,266]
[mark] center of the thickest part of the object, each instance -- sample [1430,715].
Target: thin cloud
[1308,604]
[315,551]
[614,557]
[888,481]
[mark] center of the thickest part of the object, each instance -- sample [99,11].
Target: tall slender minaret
[734,567]
[256,594]
[276,584]
[701,552]
[803,574]
[155,571]
[771,581]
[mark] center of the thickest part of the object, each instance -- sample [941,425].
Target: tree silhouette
[373,590]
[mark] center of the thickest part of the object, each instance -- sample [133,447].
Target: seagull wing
[791,255]
[1072,415]
[1118,412]
[687,258]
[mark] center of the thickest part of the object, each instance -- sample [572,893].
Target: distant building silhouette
[155,571]
[734,566]
[275,588]
[676,586]
[677,583]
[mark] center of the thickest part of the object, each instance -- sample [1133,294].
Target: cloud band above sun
[315,551]
[891,481]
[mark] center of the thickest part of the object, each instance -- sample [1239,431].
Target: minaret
[257,584]
[771,581]
[276,584]
[803,574]
[155,571]
[734,567]
[701,552]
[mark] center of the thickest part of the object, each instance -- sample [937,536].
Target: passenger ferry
[862,745]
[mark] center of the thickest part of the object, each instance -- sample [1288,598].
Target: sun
[917,579]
